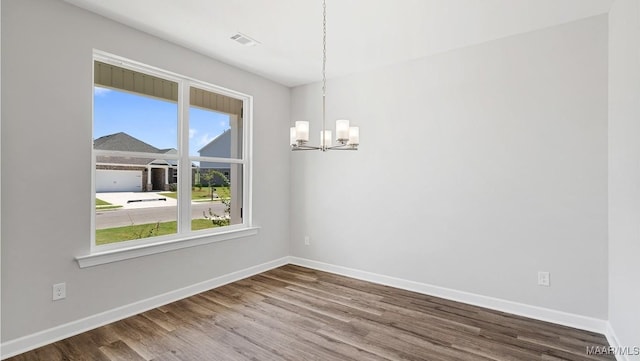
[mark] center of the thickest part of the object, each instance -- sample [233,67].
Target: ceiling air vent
[244,40]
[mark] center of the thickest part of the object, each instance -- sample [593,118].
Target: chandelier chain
[324,47]
[324,70]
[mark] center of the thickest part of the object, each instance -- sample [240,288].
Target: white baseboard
[614,342]
[30,342]
[538,313]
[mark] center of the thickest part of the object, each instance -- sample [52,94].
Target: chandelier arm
[296,149]
[305,147]
[324,149]
[343,147]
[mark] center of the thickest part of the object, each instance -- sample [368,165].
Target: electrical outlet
[543,279]
[59,291]
[307,240]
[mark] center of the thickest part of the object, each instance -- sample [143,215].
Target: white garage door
[118,180]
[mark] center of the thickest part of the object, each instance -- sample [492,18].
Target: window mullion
[184,180]
[247,153]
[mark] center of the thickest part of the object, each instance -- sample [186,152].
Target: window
[171,157]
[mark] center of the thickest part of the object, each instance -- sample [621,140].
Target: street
[126,217]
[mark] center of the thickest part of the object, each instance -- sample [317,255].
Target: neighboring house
[220,146]
[127,174]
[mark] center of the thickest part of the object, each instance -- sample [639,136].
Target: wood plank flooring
[294,313]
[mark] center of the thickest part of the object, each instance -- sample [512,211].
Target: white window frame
[185,237]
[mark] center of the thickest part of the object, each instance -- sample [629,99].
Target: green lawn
[102,205]
[202,194]
[127,233]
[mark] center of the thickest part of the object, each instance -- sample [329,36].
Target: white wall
[46,147]
[478,168]
[624,171]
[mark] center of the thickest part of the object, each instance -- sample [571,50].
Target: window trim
[135,251]
[183,238]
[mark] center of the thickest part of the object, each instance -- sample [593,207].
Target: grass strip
[128,233]
[100,202]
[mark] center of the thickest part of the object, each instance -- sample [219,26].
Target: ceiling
[361,34]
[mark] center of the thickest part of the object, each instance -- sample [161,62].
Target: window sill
[104,257]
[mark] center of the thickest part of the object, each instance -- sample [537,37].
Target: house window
[170,156]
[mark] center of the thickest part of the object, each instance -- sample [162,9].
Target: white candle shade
[325,138]
[354,136]
[302,130]
[292,136]
[342,129]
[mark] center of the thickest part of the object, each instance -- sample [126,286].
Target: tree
[209,176]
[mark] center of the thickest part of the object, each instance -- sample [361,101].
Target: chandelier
[347,137]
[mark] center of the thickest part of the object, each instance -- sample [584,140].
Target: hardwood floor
[294,313]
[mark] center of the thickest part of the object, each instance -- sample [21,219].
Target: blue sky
[151,120]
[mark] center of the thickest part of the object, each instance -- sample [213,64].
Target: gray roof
[124,142]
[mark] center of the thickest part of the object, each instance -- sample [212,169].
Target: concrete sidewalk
[134,200]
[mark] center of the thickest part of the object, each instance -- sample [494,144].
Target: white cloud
[192,133]
[98,91]
[204,140]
